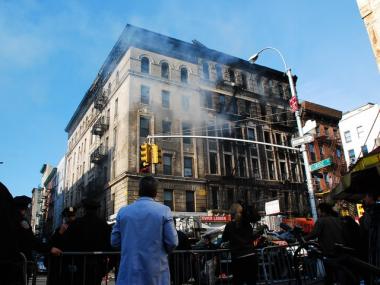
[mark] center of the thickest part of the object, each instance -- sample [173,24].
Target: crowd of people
[145,234]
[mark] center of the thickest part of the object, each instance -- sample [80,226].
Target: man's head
[148,187]
[22,204]
[236,211]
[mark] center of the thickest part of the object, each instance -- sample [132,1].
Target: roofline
[127,40]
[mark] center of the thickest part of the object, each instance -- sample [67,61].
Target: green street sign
[321,164]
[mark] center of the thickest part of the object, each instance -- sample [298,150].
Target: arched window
[219,74]
[184,75]
[144,65]
[232,75]
[206,74]
[165,70]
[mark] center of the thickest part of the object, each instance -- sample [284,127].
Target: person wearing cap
[89,233]
[146,234]
[68,215]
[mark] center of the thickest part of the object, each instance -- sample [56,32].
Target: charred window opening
[145,98]
[188,167]
[184,75]
[231,73]
[219,73]
[165,98]
[165,70]
[186,130]
[244,81]
[213,163]
[228,164]
[144,65]
[144,127]
[190,205]
[168,198]
[167,161]
[166,127]
[206,74]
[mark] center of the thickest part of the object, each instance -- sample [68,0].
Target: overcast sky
[50,52]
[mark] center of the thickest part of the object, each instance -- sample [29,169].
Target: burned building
[154,84]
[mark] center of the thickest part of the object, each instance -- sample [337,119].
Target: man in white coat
[146,234]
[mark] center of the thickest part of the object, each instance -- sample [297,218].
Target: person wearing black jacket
[88,234]
[239,234]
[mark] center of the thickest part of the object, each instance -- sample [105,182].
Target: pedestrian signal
[156,154]
[145,154]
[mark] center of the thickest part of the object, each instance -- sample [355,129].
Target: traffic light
[156,154]
[145,154]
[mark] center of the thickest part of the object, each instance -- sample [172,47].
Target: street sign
[272,207]
[321,164]
[293,102]
[302,140]
[309,126]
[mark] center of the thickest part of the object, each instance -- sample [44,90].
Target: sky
[51,51]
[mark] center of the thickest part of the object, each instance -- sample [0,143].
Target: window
[228,164]
[231,73]
[244,81]
[312,152]
[222,103]
[206,74]
[165,98]
[219,74]
[214,197]
[360,131]
[165,70]
[213,163]
[184,75]
[248,108]
[190,206]
[185,103]
[272,171]
[116,107]
[144,94]
[251,134]
[242,169]
[115,137]
[347,136]
[230,196]
[188,167]
[280,91]
[207,97]
[255,168]
[364,149]
[186,130]
[284,173]
[109,89]
[166,127]
[351,155]
[144,65]
[338,153]
[167,162]
[144,127]
[168,198]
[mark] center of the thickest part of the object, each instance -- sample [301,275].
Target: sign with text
[302,140]
[321,164]
[293,102]
[272,207]
[216,219]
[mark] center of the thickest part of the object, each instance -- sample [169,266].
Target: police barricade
[277,265]
[14,270]
[77,268]
[206,267]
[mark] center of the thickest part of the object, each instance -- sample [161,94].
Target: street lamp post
[310,189]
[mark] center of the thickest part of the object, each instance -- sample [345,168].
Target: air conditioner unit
[377,142]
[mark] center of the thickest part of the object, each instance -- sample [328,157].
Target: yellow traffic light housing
[156,154]
[145,154]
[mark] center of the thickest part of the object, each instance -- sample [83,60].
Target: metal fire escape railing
[98,154]
[100,126]
[100,101]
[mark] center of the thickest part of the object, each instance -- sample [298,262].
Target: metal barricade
[14,270]
[206,267]
[277,265]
